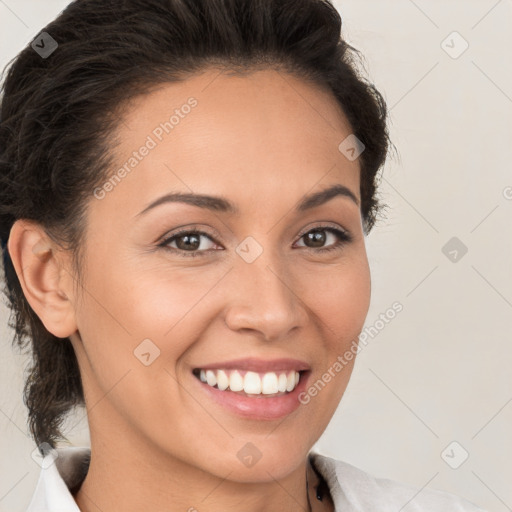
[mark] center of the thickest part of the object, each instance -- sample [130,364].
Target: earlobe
[44,280]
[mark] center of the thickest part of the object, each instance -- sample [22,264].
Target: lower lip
[258,407]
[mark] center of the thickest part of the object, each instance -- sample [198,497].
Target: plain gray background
[433,385]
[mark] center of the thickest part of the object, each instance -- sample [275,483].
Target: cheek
[341,299]
[339,296]
[128,313]
[137,302]
[139,310]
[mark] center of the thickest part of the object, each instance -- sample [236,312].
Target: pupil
[187,244]
[317,237]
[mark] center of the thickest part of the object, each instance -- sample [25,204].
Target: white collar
[59,473]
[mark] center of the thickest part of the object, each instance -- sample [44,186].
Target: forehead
[264,134]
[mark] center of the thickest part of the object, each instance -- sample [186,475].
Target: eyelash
[344,238]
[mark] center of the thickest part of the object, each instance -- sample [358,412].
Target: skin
[158,441]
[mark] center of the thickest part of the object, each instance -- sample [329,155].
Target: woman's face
[253,288]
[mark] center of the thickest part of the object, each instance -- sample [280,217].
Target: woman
[186,188]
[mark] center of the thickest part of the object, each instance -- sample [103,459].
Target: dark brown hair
[58,114]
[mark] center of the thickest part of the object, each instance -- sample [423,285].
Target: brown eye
[316,238]
[187,243]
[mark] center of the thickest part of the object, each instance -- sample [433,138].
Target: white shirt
[352,489]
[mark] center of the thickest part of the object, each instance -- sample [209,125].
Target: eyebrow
[221,204]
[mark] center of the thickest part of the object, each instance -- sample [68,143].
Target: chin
[262,460]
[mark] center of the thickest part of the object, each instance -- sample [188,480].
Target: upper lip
[259,365]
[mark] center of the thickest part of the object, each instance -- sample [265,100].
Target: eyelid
[214,234]
[324,225]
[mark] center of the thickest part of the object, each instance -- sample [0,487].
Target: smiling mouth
[248,383]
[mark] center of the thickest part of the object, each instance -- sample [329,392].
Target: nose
[264,298]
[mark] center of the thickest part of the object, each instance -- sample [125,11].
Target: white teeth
[290,381]
[222,380]
[251,383]
[211,379]
[236,382]
[281,386]
[269,383]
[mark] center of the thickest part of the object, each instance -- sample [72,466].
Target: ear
[46,282]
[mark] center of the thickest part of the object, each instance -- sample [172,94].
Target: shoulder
[353,489]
